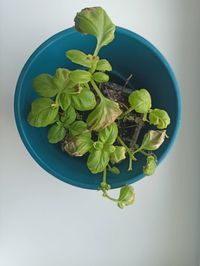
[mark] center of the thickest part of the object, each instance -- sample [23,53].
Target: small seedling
[91,119]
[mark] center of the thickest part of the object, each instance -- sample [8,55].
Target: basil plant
[87,122]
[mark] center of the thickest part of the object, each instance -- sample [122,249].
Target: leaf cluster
[78,114]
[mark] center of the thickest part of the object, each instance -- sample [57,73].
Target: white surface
[45,222]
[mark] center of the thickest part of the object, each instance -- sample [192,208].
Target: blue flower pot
[129,54]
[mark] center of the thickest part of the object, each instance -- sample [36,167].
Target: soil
[129,128]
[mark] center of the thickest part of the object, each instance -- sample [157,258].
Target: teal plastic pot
[129,53]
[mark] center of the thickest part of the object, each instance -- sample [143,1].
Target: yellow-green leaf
[56,133]
[159,118]
[43,112]
[79,57]
[44,85]
[97,161]
[84,101]
[140,100]
[95,21]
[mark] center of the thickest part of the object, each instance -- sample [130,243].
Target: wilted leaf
[103,115]
[78,145]
[118,155]
[126,197]
[153,139]
[150,166]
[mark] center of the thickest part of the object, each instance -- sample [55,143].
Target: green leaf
[103,65]
[78,127]
[44,85]
[98,145]
[114,170]
[118,155]
[140,100]
[69,117]
[150,166]
[84,101]
[72,88]
[56,133]
[153,139]
[43,112]
[64,100]
[78,145]
[126,197]
[61,78]
[109,134]
[96,22]
[62,74]
[97,161]
[159,118]
[65,97]
[109,148]
[80,76]
[100,77]
[103,115]
[79,57]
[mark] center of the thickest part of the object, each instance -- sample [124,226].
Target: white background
[45,222]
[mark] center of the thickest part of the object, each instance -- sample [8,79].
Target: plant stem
[104,175]
[130,167]
[145,117]
[108,197]
[130,109]
[127,81]
[105,194]
[136,134]
[57,99]
[131,157]
[96,50]
[126,147]
[145,153]
[138,150]
[99,93]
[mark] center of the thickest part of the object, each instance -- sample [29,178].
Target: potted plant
[94,119]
